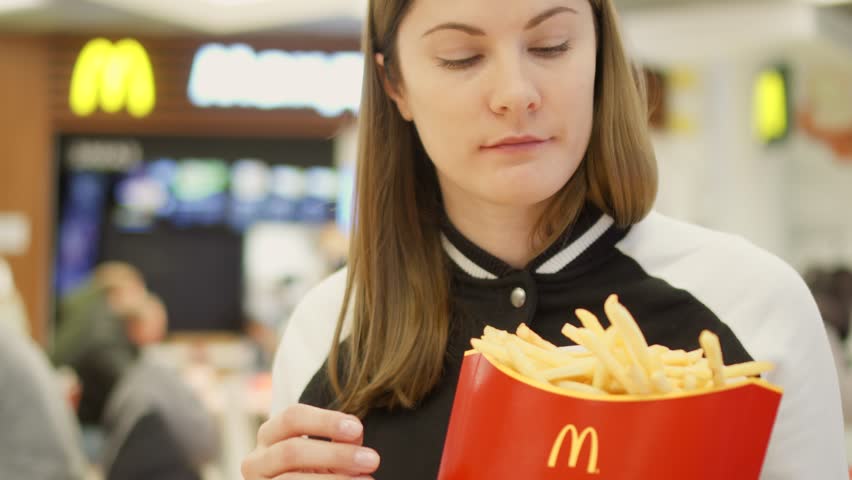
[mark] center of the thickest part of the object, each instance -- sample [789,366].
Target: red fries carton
[505,427]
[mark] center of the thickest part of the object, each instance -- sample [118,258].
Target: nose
[515,91]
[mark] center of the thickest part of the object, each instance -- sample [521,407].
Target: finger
[318,476]
[299,453]
[300,420]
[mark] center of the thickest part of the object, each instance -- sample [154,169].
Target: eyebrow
[478,32]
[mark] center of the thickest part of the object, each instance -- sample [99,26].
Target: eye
[546,52]
[459,64]
[554,51]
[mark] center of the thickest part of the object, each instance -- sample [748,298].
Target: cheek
[442,108]
[440,102]
[573,111]
[445,149]
[445,122]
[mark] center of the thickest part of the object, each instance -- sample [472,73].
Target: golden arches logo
[114,77]
[770,105]
[576,443]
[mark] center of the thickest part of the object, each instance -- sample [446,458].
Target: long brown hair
[398,278]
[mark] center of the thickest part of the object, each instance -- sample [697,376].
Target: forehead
[489,15]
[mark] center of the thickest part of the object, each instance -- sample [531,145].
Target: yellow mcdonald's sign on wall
[770,105]
[575,447]
[112,76]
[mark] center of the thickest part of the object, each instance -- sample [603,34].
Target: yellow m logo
[577,441]
[112,76]
[770,105]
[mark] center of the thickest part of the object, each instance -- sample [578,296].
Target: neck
[502,231]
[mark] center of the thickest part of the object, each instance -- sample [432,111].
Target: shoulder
[759,296]
[680,238]
[325,297]
[307,339]
[673,247]
[314,319]
[771,311]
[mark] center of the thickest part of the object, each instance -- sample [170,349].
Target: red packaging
[505,427]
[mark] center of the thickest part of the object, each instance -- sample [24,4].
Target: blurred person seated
[104,327]
[151,387]
[134,459]
[39,438]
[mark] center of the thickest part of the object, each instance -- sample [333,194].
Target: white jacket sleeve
[771,311]
[307,340]
[808,439]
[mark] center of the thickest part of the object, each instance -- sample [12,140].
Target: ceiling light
[7,6]
[220,16]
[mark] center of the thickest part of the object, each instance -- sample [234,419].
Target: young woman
[505,175]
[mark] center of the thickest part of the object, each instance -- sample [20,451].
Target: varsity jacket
[676,279]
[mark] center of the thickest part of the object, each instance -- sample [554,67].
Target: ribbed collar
[590,226]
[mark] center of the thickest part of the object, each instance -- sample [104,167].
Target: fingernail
[367,458]
[351,428]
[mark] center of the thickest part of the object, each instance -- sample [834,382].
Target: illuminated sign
[104,155]
[770,105]
[114,77]
[575,447]
[237,76]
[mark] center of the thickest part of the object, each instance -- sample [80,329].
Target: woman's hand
[284,452]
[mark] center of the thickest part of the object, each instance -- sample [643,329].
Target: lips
[516,141]
[516,144]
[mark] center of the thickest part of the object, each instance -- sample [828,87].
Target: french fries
[616,360]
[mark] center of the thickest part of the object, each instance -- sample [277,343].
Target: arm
[284,446]
[808,439]
[306,341]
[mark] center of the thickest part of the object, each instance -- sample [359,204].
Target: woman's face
[501,93]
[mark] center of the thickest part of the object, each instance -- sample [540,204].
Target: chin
[520,197]
[523,191]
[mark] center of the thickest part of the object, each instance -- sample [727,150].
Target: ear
[391,90]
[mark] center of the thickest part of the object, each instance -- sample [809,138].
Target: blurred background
[181,172]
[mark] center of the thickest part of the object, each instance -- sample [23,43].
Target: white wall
[821,182]
[790,199]
[719,175]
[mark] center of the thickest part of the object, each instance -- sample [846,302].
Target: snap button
[518,297]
